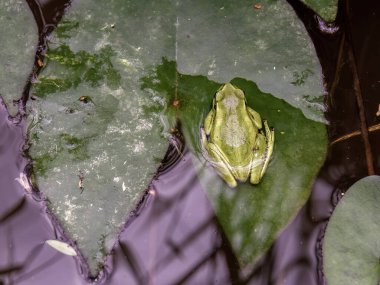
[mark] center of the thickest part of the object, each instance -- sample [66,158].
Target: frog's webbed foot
[266,142]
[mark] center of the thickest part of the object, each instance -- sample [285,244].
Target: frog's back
[236,136]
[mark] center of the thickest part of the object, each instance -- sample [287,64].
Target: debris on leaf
[40,63]
[24,181]
[85,99]
[175,104]
[80,183]
[61,247]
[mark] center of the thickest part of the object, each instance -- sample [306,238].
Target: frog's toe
[231,183]
[255,178]
[227,176]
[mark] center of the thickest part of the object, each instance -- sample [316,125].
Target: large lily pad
[18,38]
[102,109]
[351,249]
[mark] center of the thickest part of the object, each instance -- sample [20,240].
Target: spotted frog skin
[234,140]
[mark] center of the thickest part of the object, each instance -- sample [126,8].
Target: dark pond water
[173,236]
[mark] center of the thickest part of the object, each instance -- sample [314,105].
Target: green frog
[233,138]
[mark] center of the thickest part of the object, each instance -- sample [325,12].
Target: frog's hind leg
[270,144]
[223,170]
[258,160]
[266,143]
[212,154]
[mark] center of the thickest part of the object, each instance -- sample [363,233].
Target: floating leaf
[327,9]
[61,247]
[351,249]
[18,38]
[24,182]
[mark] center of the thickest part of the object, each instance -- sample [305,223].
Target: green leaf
[252,216]
[327,9]
[18,38]
[183,50]
[351,249]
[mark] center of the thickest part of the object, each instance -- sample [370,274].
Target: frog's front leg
[256,118]
[212,152]
[209,121]
[263,153]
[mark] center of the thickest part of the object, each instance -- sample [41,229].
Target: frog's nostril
[239,93]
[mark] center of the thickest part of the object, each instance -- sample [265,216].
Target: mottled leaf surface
[103,109]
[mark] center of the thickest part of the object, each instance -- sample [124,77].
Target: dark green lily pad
[351,249]
[111,145]
[327,9]
[252,216]
[18,37]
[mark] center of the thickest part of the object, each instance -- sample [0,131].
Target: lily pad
[351,249]
[327,9]
[93,158]
[18,37]
[252,216]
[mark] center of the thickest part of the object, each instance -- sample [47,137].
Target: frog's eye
[239,93]
[218,96]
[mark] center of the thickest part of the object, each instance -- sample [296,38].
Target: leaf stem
[363,123]
[354,134]
[359,101]
[338,69]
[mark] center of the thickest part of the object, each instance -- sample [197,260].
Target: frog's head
[229,97]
